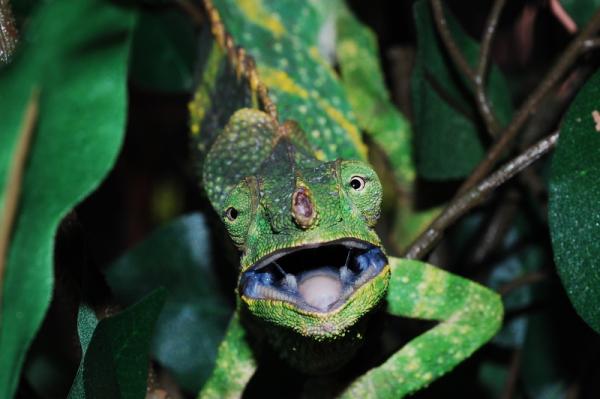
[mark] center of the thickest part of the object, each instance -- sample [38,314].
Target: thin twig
[564,62]
[529,278]
[488,38]
[14,181]
[463,203]
[8,32]
[476,80]
[513,375]
[487,113]
[453,50]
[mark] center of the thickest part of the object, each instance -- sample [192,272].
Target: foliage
[574,209]
[78,84]
[88,75]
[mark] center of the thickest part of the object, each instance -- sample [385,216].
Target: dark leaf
[449,135]
[115,364]
[574,208]
[178,257]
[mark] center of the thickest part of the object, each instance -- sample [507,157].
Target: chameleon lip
[317,277]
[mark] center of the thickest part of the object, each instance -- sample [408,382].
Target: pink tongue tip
[320,290]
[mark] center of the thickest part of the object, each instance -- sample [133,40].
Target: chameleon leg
[234,367]
[469,316]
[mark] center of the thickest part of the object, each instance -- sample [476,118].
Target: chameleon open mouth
[318,278]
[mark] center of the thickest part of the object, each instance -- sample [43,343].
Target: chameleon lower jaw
[314,279]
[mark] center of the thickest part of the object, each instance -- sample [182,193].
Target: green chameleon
[300,202]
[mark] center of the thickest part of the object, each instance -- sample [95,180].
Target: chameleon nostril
[303,209]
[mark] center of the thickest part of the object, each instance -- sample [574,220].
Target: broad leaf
[79,69]
[574,207]
[115,360]
[188,332]
[449,136]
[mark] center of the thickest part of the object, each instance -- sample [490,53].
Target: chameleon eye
[357,183]
[231,213]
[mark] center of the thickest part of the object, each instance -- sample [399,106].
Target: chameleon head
[311,260]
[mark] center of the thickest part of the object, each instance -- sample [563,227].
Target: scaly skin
[277,187]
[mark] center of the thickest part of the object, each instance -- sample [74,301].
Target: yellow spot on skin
[350,128]
[596,116]
[282,81]
[314,52]
[256,12]
[348,47]
[433,282]
[320,155]
[413,365]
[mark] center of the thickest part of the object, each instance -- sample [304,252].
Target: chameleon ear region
[362,186]
[237,214]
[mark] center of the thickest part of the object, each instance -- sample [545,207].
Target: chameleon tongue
[320,289]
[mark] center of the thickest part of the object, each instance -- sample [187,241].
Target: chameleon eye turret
[238,211]
[362,188]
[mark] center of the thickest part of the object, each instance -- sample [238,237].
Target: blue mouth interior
[317,279]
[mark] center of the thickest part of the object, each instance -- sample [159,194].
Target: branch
[476,78]
[526,279]
[14,181]
[489,31]
[463,203]
[483,103]
[564,62]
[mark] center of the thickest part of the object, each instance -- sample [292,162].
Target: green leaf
[163,51]
[195,316]
[449,137]
[580,10]
[574,208]
[79,69]
[358,57]
[115,364]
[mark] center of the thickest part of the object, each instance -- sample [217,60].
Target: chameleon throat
[314,278]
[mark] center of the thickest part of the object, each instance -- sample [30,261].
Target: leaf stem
[14,181]
[463,203]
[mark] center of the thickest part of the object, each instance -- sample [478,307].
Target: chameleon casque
[282,162]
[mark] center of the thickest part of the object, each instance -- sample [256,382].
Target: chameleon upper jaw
[314,278]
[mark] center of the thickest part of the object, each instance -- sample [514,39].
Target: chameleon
[280,156]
